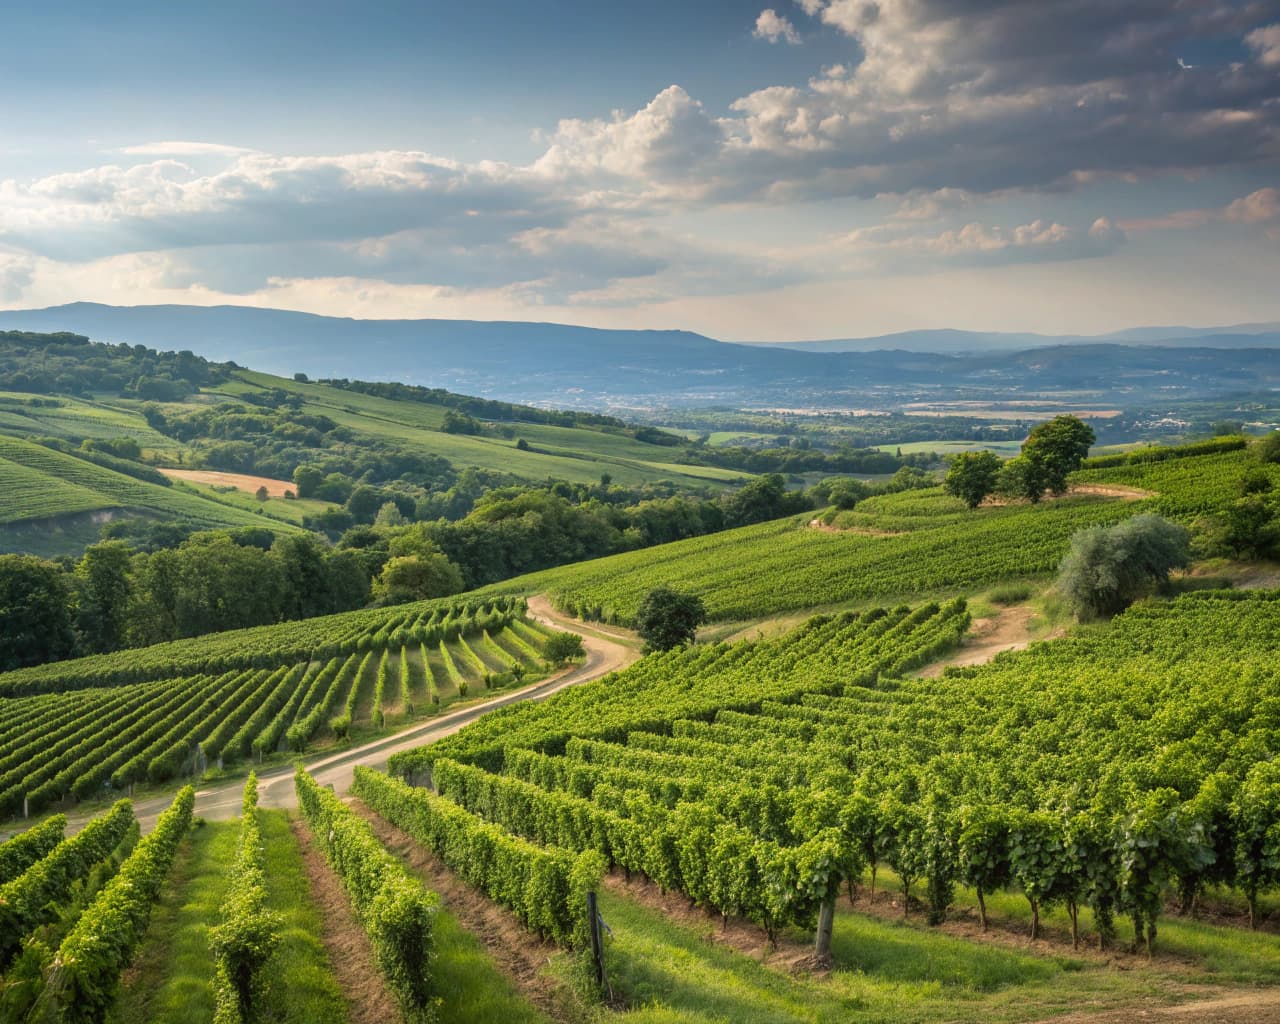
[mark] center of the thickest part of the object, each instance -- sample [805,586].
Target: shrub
[1010,593]
[1108,568]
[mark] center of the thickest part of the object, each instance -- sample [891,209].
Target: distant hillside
[954,342]
[580,367]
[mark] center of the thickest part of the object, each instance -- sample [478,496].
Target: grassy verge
[303,988]
[471,987]
[170,981]
[665,971]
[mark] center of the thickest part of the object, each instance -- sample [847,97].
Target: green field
[71,484]
[575,454]
[890,547]
[1095,782]
[1005,449]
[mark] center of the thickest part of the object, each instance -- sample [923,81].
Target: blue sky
[816,168]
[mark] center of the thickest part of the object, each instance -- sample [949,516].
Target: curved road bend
[275,785]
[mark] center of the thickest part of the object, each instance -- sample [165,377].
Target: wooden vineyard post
[597,944]
[826,919]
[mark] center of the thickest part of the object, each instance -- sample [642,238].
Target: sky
[810,169]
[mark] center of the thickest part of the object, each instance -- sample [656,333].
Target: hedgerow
[34,896]
[546,887]
[247,934]
[396,911]
[82,980]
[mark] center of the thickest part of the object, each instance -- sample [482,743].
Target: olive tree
[1108,568]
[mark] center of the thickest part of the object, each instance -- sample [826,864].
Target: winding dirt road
[275,785]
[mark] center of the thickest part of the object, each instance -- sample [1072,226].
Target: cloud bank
[937,143]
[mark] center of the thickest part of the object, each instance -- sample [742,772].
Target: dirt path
[517,952]
[350,953]
[541,609]
[1261,1007]
[1008,631]
[275,785]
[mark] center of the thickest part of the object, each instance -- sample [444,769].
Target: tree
[104,584]
[1249,527]
[389,515]
[846,492]
[667,618]
[1022,477]
[416,578]
[563,647]
[307,480]
[262,494]
[1059,445]
[1267,448]
[363,503]
[35,613]
[972,476]
[1107,569]
[1052,451]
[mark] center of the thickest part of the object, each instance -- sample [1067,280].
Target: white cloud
[774,28]
[953,116]
[1265,42]
[185,149]
[1255,208]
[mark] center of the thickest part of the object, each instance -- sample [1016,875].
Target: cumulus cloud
[1265,42]
[774,28]
[1255,208]
[1258,207]
[943,111]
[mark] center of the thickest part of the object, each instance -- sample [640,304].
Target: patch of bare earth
[240,481]
[516,951]
[860,531]
[368,999]
[1261,1007]
[1119,491]
[1010,630]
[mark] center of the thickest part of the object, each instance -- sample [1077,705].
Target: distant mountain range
[966,342]
[569,366]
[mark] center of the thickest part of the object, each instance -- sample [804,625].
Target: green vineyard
[890,547]
[86,735]
[759,779]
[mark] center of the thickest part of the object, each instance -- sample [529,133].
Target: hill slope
[572,366]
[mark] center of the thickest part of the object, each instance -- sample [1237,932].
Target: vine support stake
[826,920]
[597,942]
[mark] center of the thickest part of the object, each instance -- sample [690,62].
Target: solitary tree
[667,618]
[1051,452]
[1107,569]
[972,476]
[1268,447]
[1060,445]
[262,494]
[563,647]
